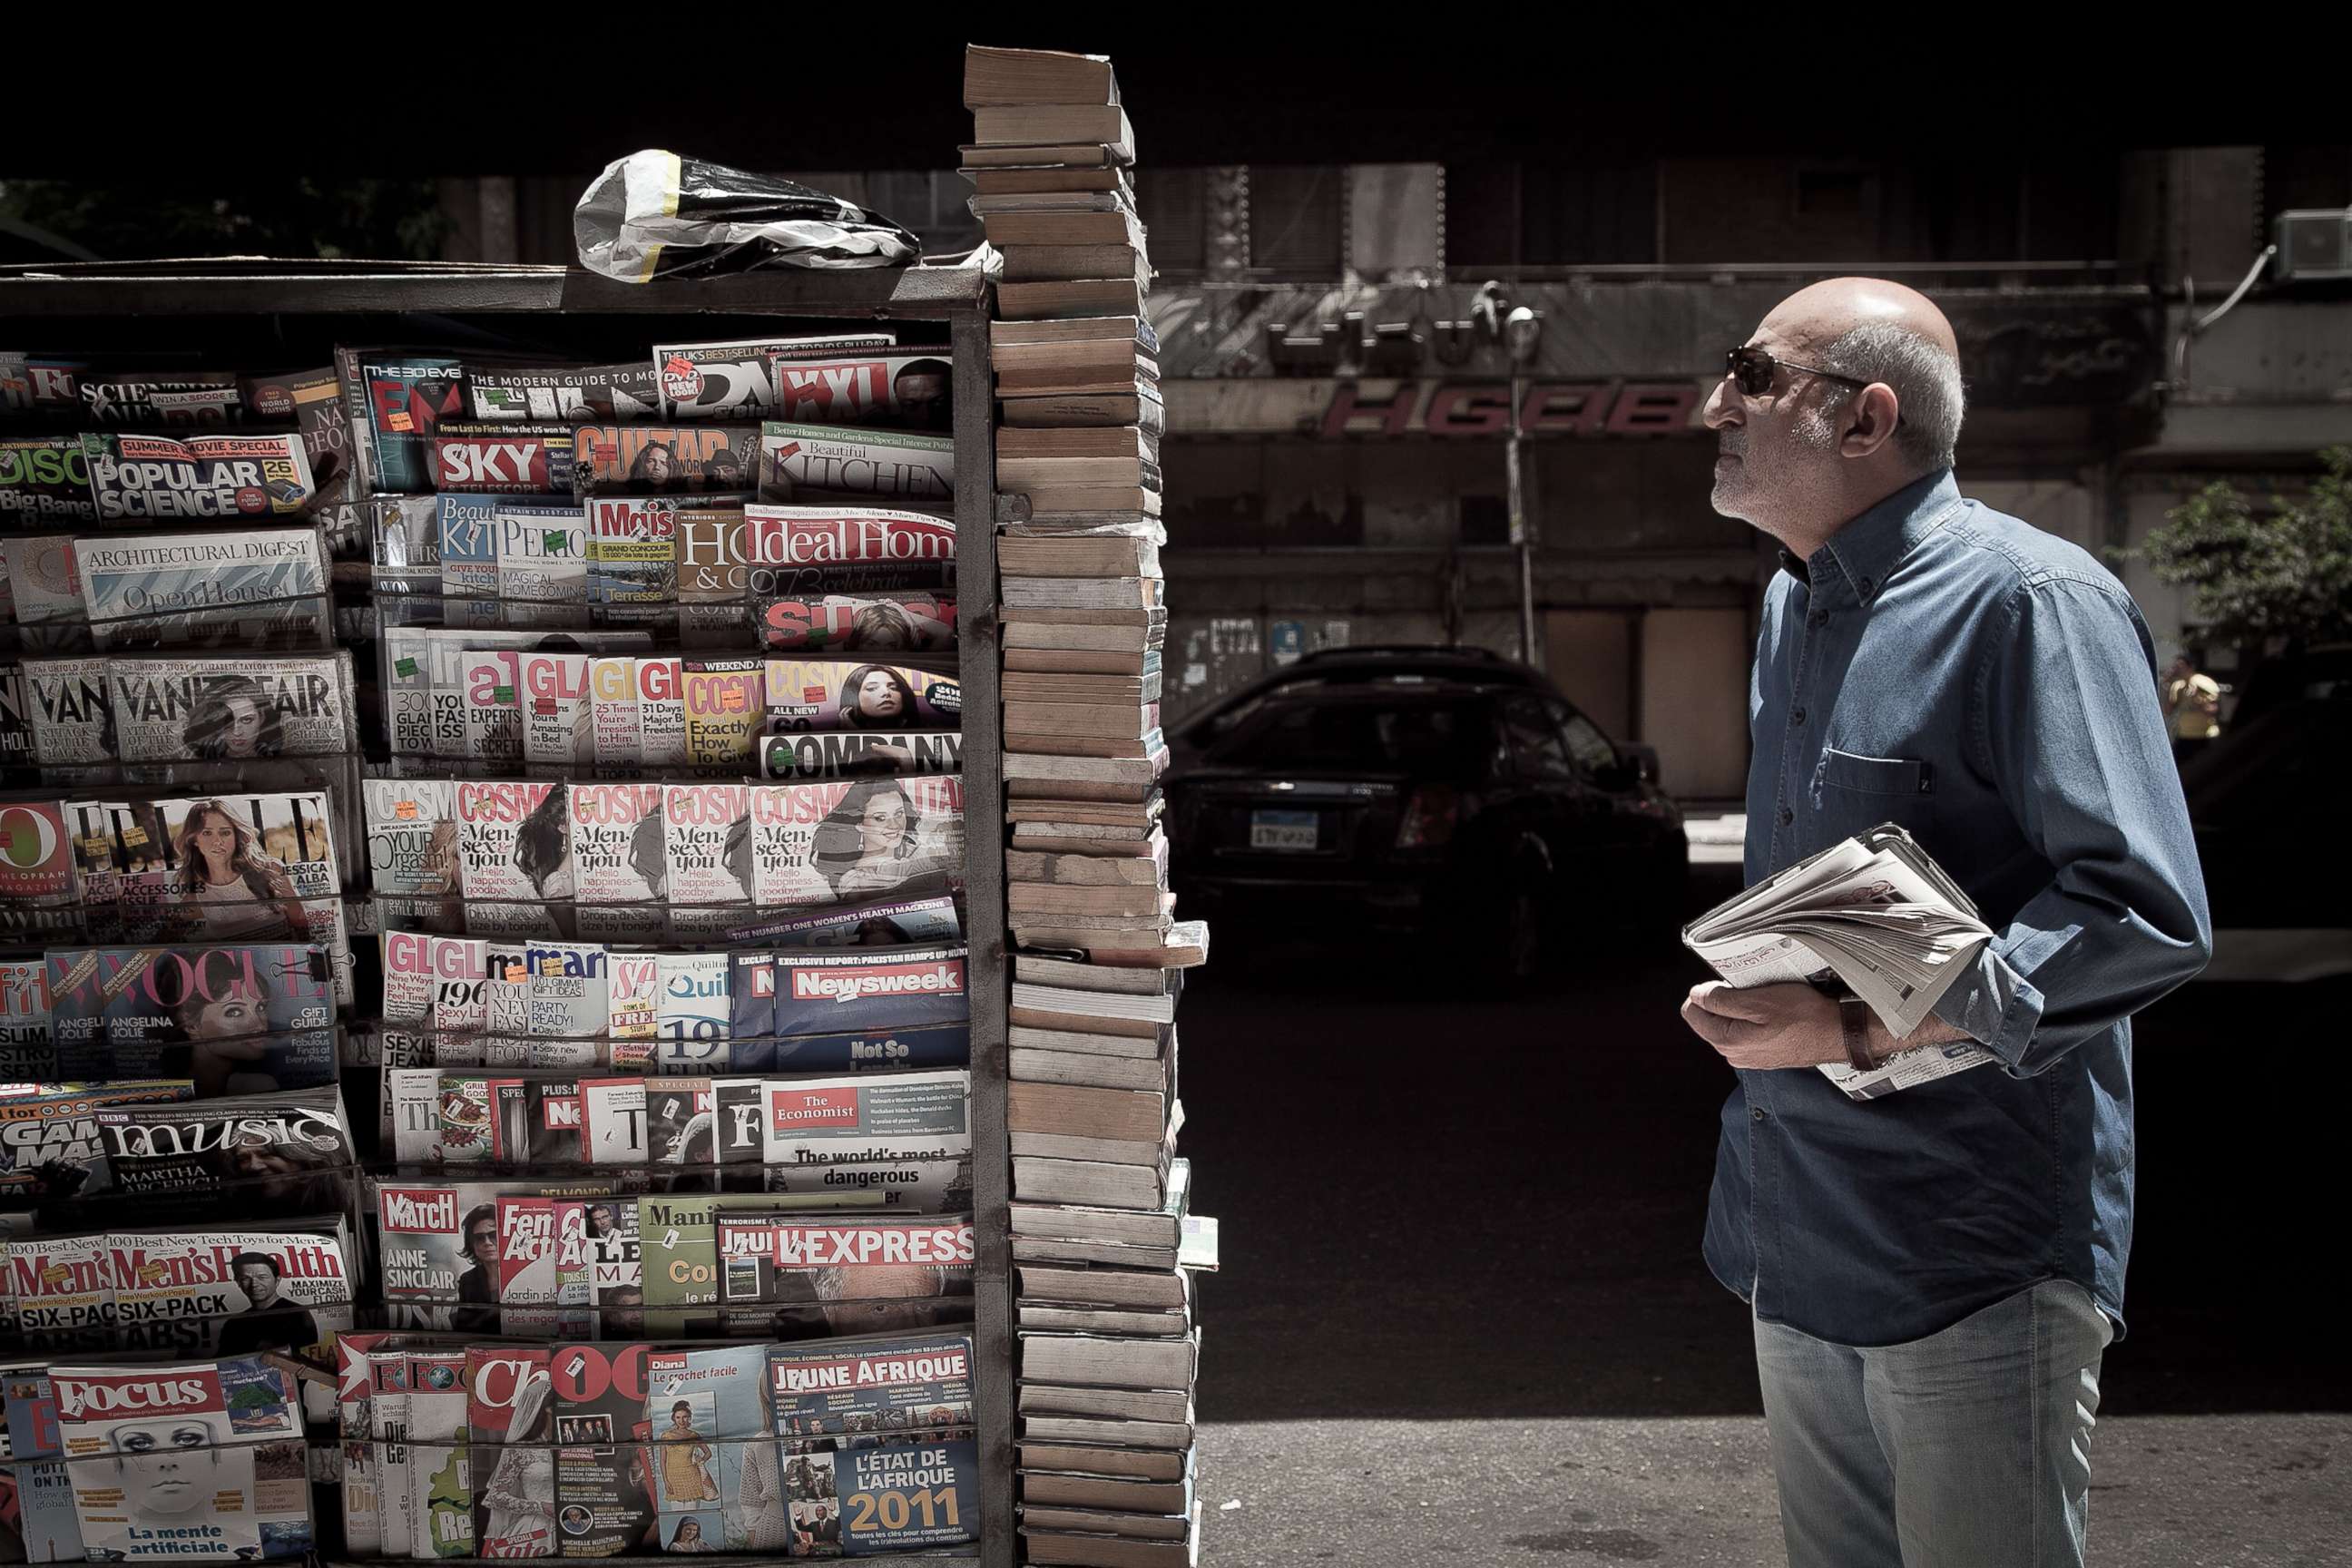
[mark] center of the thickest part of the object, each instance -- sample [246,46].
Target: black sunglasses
[1752,369]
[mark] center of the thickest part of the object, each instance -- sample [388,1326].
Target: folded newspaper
[1874,911]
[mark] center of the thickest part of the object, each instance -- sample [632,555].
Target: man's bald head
[1821,313]
[1874,331]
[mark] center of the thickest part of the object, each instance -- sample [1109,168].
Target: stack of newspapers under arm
[1874,911]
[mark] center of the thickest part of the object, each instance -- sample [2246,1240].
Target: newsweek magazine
[241,1157]
[45,479]
[633,558]
[912,388]
[851,623]
[805,756]
[570,395]
[665,459]
[710,857]
[510,1423]
[514,847]
[258,588]
[603,1493]
[46,1521]
[502,458]
[637,712]
[244,1019]
[865,1273]
[620,865]
[232,1292]
[171,709]
[441,1493]
[713,577]
[806,462]
[855,1009]
[732,380]
[27,1054]
[209,479]
[74,714]
[50,1145]
[845,694]
[724,704]
[905,1135]
[851,841]
[412,838]
[395,399]
[186,1461]
[877,1453]
[714,1467]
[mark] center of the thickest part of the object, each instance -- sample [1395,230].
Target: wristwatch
[1854,1028]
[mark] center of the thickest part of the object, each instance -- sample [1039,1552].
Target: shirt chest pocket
[1852,793]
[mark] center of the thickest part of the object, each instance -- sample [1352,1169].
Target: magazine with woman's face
[855,841]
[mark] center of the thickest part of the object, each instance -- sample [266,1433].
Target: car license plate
[1282,829]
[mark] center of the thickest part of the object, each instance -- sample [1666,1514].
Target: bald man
[1935,1273]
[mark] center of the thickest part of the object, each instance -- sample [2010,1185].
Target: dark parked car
[1419,790]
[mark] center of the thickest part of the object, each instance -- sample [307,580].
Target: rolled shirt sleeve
[2086,770]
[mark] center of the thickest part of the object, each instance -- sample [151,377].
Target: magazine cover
[845,694]
[878,1453]
[166,709]
[243,1019]
[186,1460]
[39,896]
[232,867]
[428,670]
[665,459]
[237,1158]
[633,558]
[313,402]
[543,557]
[26,1055]
[723,701]
[49,1146]
[514,848]
[493,705]
[615,1265]
[908,1136]
[395,401]
[441,1516]
[232,1292]
[811,462]
[556,728]
[510,1423]
[604,1495]
[568,980]
[411,827]
[804,754]
[45,479]
[467,530]
[912,388]
[502,458]
[709,855]
[569,394]
[782,540]
[100,856]
[15,712]
[636,713]
[856,840]
[614,1111]
[541,1263]
[681,1261]
[45,592]
[63,1292]
[850,623]
[713,576]
[620,864]
[707,1410]
[126,399]
[889,922]
[678,1129]
[46,1521]
[695,1010]
[405,556]
[880,1273]
[731,380]
[205,479]
[152,577]
[439,1245]
[433,983]
[362,1494]
[388,1426]
[73,712]
[634,1000]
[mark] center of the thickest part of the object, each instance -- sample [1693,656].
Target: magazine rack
[254,309]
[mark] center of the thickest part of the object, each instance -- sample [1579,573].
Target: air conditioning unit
[2314,246]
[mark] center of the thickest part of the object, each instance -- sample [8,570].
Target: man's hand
[1767,1026]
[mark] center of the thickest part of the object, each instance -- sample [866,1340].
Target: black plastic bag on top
[656,215]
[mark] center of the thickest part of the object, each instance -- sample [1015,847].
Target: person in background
[2192,706]
[1935,1274]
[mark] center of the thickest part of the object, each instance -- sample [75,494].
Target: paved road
[1442,1206]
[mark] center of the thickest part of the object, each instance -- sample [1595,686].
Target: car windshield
[1382,736]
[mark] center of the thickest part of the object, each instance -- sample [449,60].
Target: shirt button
[1787,817]
[1796,716]
[1756,1115]
[1867,587]
[1818,618]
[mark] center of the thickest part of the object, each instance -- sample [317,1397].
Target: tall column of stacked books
[1104,1249]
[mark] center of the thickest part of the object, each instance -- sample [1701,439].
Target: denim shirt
[1992,690]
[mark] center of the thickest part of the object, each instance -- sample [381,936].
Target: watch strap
[1854,1029]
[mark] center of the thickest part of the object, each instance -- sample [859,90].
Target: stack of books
[1104,1245]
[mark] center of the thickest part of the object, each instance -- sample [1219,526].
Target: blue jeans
[1969,1449]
